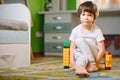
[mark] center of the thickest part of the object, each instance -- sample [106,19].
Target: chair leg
[31,53]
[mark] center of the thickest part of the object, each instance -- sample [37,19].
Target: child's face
[86,18]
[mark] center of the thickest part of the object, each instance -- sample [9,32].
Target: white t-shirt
[92,38]
[95,34]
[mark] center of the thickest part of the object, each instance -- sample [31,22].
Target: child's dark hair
[88,6]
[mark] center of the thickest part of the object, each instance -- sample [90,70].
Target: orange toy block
[108,60]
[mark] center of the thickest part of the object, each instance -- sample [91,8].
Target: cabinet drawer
[56,37]
[57,27]
[58,18]
[53,47]
[53,53]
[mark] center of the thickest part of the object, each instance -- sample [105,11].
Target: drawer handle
[57,37]
[57,18]
[58,27]
[57,47]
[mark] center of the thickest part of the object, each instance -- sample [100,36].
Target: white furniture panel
[14,44]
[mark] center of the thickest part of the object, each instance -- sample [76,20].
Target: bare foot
[81,71]
[92,68]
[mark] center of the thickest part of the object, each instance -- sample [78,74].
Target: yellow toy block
[66,57]
[108,58]
[108,61]
[108,64]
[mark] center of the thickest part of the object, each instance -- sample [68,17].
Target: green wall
[35,7]
[38,21]
[71,4]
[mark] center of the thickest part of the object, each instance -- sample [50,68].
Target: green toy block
[66,44]
[66,67]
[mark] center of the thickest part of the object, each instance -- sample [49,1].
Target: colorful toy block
[66,55]
[108,60]
[66,44]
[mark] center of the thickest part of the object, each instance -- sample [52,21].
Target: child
[87,41]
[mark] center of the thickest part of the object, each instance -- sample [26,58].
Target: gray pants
[83,53]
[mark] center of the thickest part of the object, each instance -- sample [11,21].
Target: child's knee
[82,61]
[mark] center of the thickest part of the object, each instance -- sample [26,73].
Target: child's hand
[98,65]
[72,65]
[72,68]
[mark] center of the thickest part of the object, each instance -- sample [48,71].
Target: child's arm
[72,61]
[101,52]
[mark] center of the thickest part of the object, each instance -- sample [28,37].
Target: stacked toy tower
[108,60]
[66,55]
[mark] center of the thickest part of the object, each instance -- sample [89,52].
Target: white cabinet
[57,27]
